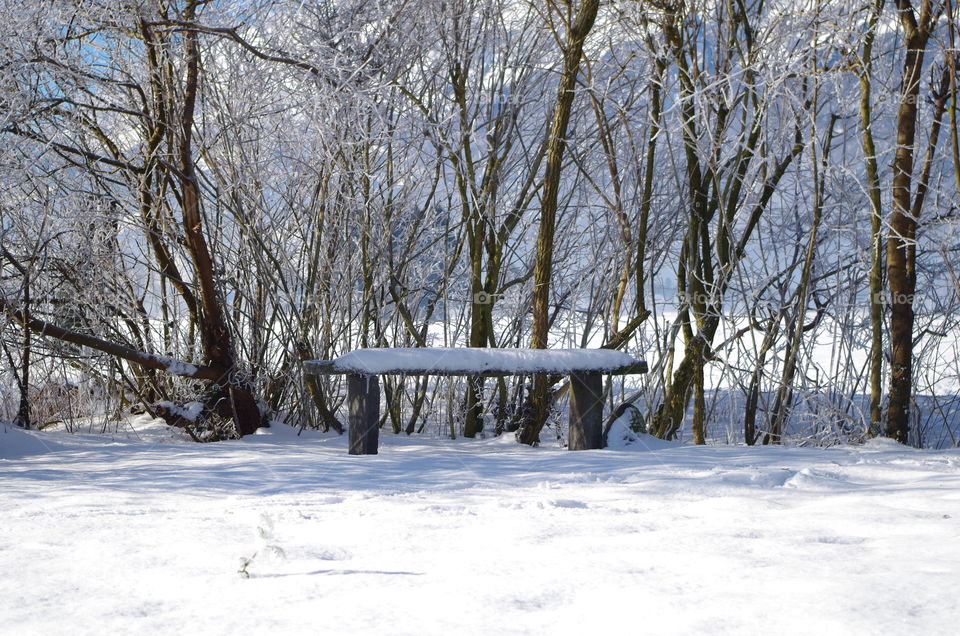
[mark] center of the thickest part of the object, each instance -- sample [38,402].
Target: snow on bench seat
[477,361]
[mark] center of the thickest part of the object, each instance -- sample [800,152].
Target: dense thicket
[758,197]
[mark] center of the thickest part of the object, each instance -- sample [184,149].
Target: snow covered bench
[584,366]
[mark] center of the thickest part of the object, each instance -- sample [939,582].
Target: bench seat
[476,361]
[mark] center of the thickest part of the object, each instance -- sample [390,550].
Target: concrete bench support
[363,399]
[586,411]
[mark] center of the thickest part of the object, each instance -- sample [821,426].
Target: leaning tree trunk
[215,334]
[543,263]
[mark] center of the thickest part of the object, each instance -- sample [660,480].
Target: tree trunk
[876,224]
[215,335]
[543,264]
[699,425]
[901,242]
[26,347]
[669,415]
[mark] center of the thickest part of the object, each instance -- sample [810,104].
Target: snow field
[475,537]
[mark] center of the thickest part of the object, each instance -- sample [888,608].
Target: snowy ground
[481,537]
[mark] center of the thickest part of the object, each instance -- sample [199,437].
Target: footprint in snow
[568,503]
[332,554]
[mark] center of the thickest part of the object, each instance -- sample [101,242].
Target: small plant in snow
[266,546]
[636,422]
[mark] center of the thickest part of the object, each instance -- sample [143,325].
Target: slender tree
[901,257]
[578,21]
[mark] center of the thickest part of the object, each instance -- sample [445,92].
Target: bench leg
[586,411]
[363,399]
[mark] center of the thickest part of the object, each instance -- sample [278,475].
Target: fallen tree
[228,398]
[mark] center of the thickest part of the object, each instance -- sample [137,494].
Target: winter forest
[759,198]
[752,206]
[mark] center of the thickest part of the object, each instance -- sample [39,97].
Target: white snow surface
[468,360]
[189,411]
[177,367]
[117,534]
